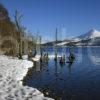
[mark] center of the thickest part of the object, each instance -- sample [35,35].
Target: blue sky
[71,17]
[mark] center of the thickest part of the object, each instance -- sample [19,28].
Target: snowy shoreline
[12,72]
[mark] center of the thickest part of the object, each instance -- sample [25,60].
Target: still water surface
[77,81]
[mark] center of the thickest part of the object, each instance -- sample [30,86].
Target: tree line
[15,40]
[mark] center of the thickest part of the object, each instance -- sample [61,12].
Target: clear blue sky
[71,17]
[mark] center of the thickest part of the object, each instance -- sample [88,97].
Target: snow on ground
[52,56]
[12,72]
[36,58]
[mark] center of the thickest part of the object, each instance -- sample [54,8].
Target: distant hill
[91,38]
[52,43]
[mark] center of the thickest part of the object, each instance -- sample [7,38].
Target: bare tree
[56,36]
[19,28]
[40,42]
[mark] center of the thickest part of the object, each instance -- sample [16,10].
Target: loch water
[77,81]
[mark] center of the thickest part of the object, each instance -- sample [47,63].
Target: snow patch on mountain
[62,43]
[93,33]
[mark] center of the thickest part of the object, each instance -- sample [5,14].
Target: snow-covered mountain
[92,38]
[93,33]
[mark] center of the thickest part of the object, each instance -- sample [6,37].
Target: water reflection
[40,66]
[37,67]
[68,81]
[70,69]
[94,55]
[62,64]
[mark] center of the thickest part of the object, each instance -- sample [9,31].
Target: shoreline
[12,72]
